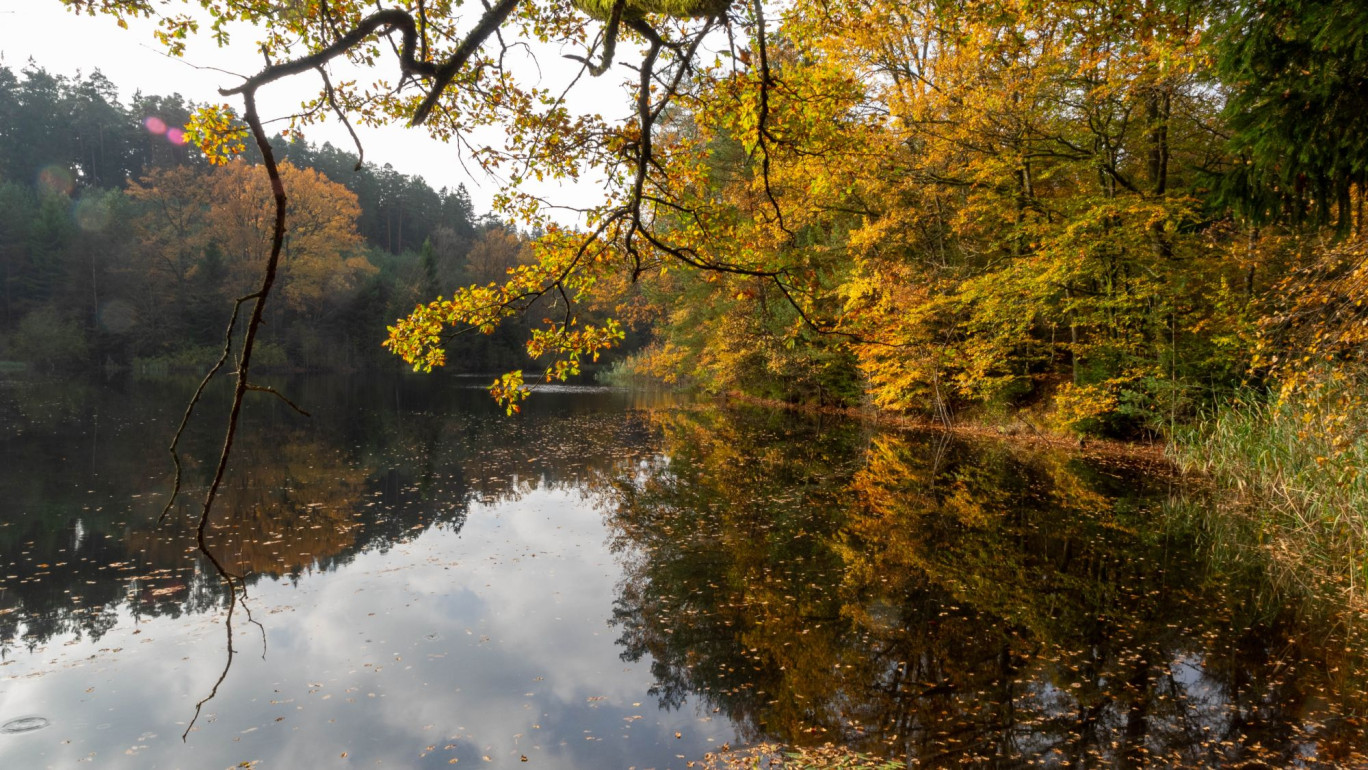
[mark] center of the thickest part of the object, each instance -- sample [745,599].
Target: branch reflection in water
[770,578]
[266,527]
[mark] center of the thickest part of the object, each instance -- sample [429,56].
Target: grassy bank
[1289,475]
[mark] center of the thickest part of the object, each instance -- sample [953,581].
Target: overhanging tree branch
[447,70]
[388,18]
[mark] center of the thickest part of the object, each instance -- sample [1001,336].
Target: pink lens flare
[155,124]
[175,136]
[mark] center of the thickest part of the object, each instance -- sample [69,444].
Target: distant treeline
[120,246]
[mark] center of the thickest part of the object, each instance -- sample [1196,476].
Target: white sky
[65,43]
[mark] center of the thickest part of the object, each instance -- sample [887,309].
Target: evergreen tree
[1298,109]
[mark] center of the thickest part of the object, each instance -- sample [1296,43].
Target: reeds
[1294,466]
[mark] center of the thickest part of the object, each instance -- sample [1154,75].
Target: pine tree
[1298,109]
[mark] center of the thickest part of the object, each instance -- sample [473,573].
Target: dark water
[612,580]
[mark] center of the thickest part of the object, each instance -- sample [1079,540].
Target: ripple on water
[24,725]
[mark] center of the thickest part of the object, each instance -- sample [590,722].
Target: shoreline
[1021,432]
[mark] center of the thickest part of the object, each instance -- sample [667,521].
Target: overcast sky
[64,43]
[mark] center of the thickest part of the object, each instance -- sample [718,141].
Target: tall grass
[1296,468]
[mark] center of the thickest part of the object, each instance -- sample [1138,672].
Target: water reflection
[580,584]
[958,604]
[430,576]
[88,471]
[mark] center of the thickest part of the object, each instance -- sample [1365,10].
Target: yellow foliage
[1079,408]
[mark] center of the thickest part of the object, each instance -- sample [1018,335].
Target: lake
[623,579]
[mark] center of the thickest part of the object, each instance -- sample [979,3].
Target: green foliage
[144,281]
[1298,74]
[49,340]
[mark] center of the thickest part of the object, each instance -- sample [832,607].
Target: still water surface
[614,580]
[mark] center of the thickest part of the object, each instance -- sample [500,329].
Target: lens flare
[155,124]
[175,136]
[92,213]
[56,180]
[117,316]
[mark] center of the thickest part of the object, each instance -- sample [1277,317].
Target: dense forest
[1127,219]
[1117,215]
[1111,217]
[1137,220]
[1120,229]
[122,247]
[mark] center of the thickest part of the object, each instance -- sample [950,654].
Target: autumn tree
[321,254]
[922,205]
[984,204]
[204,237]
[174,250]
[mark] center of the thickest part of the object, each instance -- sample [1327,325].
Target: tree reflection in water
[957,603]
[301,495]
[810,580]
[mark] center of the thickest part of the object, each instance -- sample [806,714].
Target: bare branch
[227,664]
[342,116]
[763,132]
[279,395]
[190,408]
[258,300]
[389,18]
